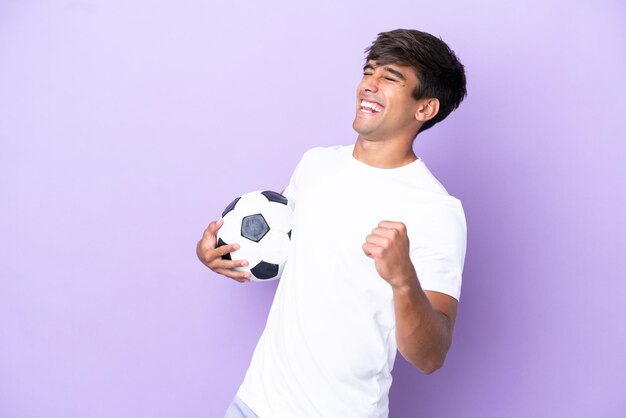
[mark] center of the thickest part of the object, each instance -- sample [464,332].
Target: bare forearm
[423,334]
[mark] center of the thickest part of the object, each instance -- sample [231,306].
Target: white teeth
[371,105]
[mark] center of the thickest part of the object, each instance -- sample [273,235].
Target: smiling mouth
[370,107]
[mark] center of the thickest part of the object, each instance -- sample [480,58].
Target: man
[377,252]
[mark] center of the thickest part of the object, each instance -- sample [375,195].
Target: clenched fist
[388,246]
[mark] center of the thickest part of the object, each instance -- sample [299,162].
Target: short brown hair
[440,73]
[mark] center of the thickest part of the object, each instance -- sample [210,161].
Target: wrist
[407,284]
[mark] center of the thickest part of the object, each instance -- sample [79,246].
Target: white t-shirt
[329,343]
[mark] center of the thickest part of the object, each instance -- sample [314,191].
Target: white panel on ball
[260,222]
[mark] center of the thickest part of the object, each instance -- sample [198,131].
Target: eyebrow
[393,71]
[396,73]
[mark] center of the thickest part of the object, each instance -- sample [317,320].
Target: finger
[377,240]
[234,274]
[214,226]
[227,264]
[399,226]
[372,250]
[209,239]
[224,249]
[240,280]
[215,257]
[211,231]
[385,232]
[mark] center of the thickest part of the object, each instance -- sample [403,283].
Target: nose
[369,83]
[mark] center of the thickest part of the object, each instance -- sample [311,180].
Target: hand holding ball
[260,222]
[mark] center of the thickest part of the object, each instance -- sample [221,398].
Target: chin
[359,128]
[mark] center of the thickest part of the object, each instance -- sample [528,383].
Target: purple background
[126,127]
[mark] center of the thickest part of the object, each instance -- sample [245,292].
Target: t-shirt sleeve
[291,191]
[438,249]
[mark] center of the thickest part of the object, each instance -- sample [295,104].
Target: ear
[427,110]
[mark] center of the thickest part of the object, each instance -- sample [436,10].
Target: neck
[383,154]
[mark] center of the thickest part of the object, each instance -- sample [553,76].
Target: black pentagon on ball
[221,242]
[254,227]
[230,206]
[264,270]
[274,197]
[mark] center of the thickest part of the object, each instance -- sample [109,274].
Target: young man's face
[385,107]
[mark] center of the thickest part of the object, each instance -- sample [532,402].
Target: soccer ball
[260,222]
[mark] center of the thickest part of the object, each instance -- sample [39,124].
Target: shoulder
[327,152]
[429,182]
[444,208]
[324,155]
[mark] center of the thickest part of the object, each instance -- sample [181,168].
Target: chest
[342,209]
